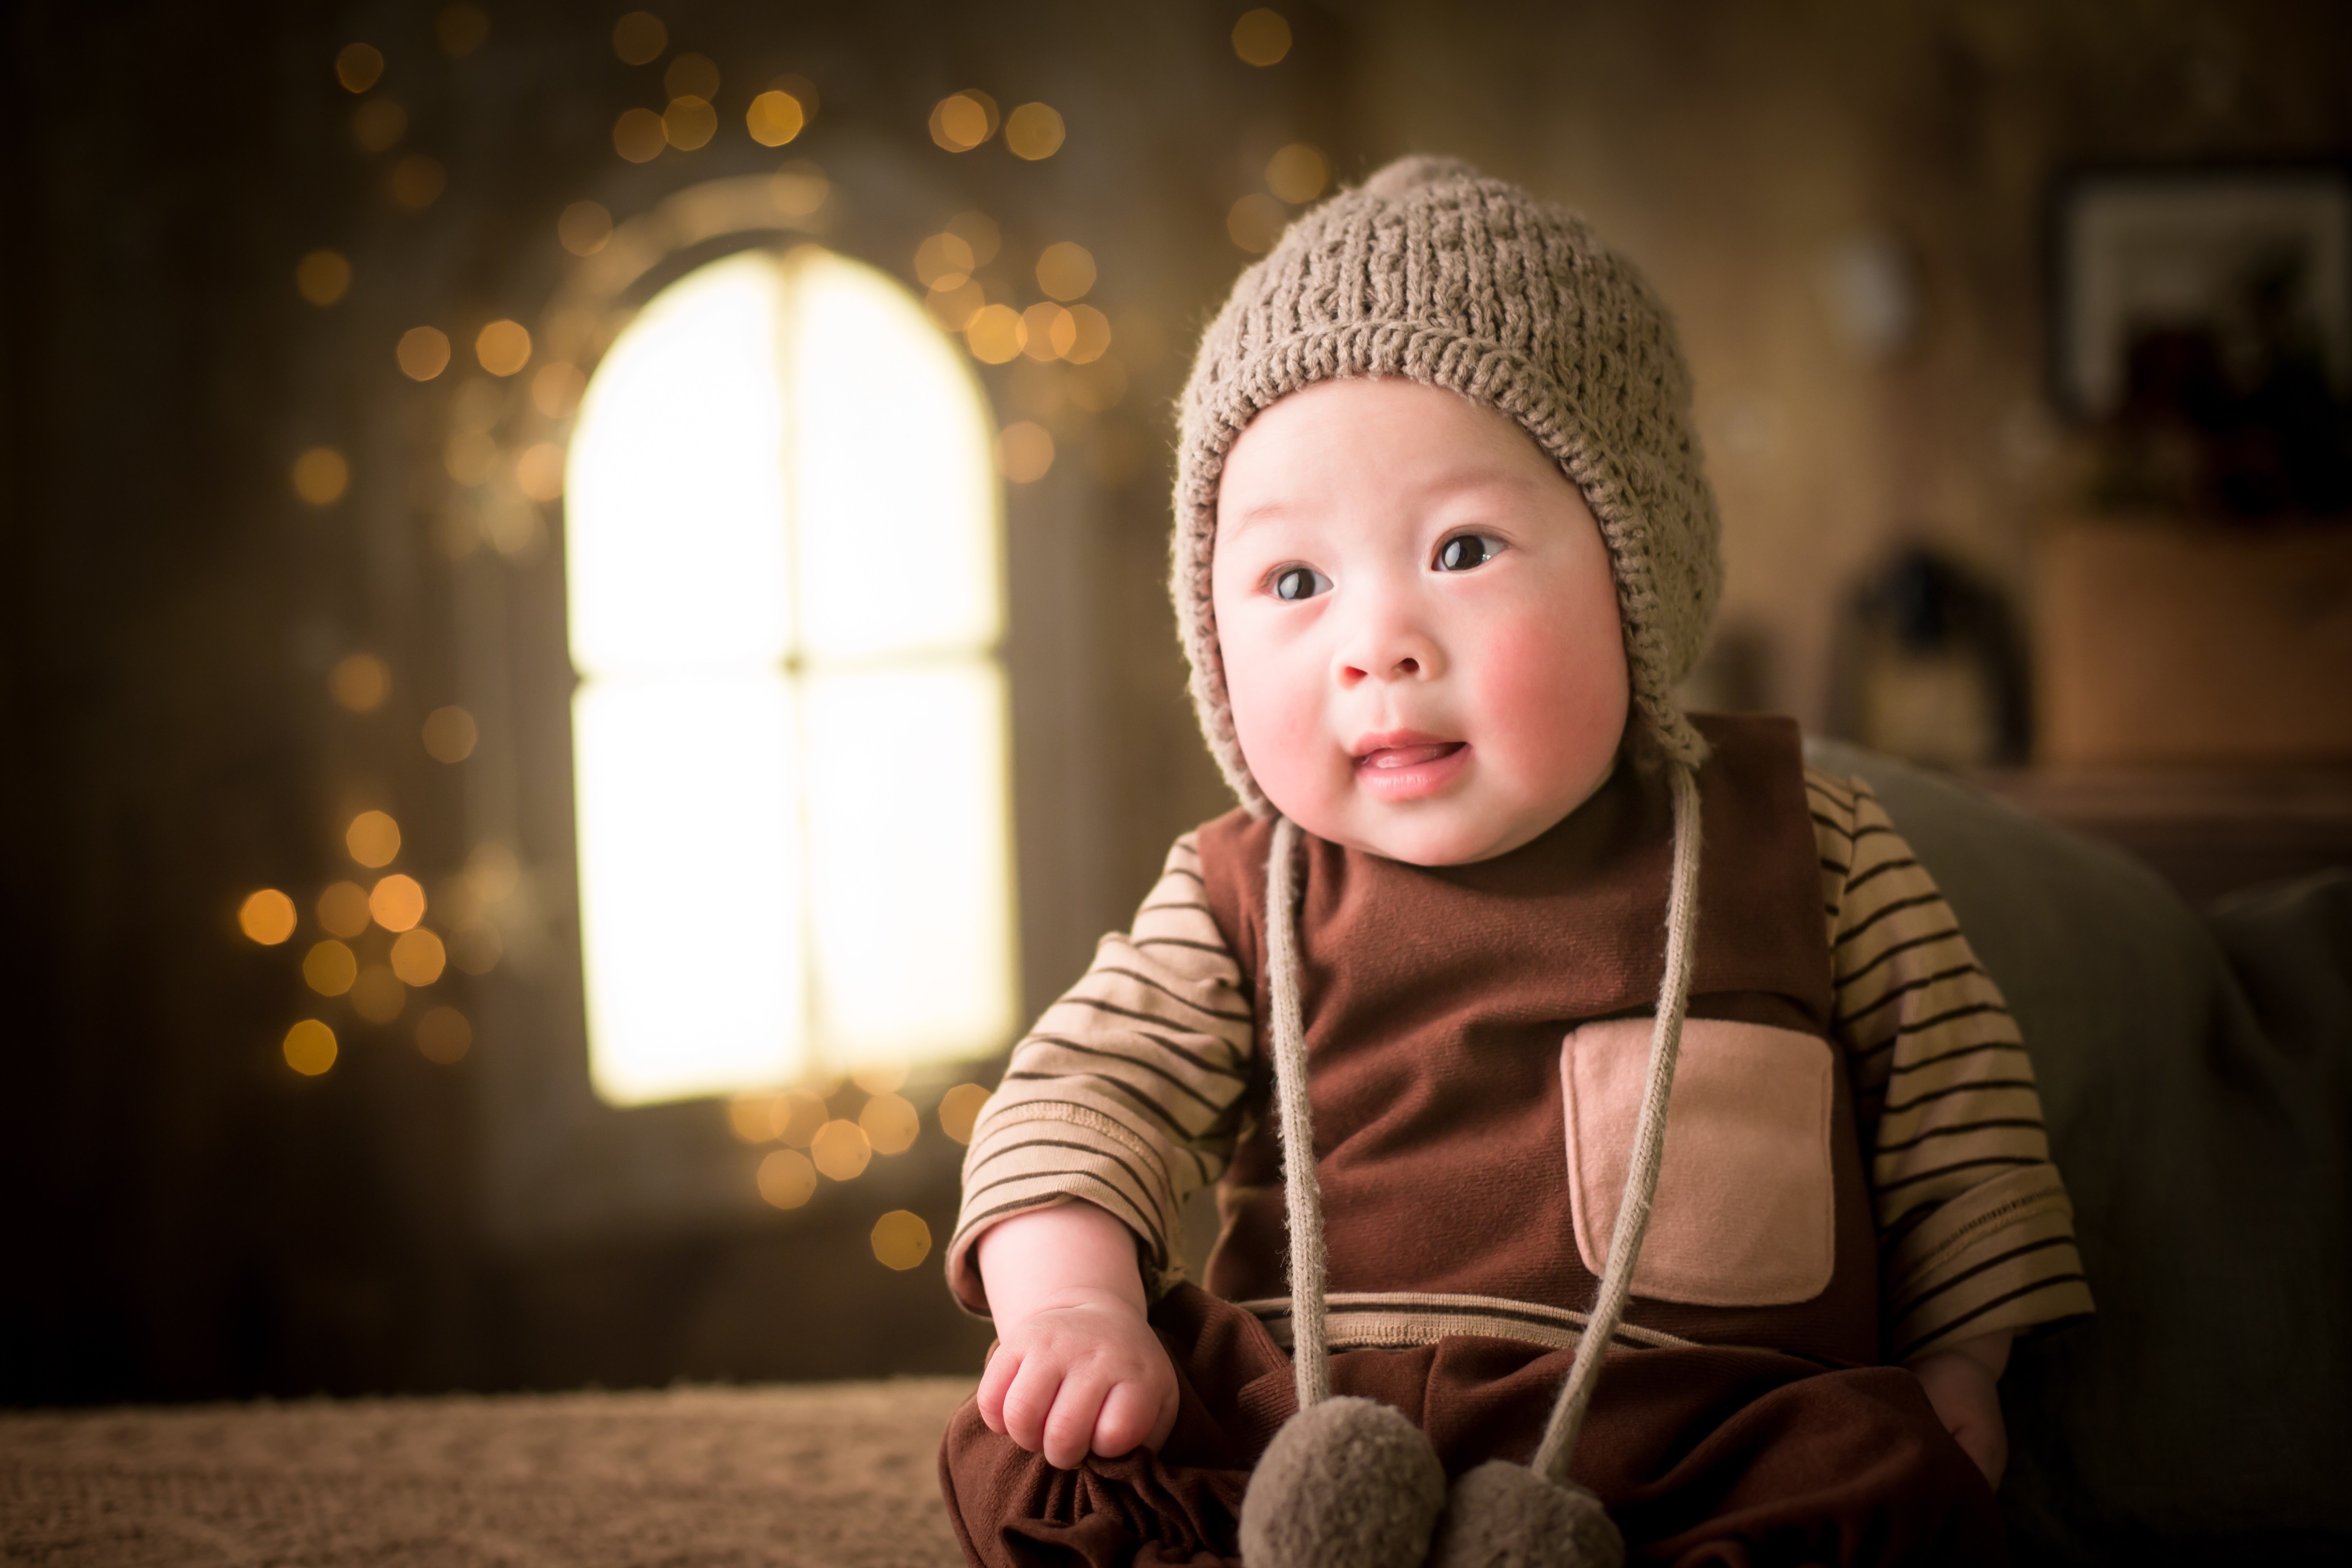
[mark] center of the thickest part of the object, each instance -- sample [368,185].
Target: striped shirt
[1130,1092]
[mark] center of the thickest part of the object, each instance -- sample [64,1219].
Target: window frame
[558,1163]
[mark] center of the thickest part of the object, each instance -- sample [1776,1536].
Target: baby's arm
[1076,1367]
[1962,1384]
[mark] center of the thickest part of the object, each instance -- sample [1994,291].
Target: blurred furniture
[2206,831]
[2196,1077]
[2161,642]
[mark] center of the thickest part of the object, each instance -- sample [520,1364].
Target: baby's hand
[1963,1385]
[1086,1374]
[1076,1367]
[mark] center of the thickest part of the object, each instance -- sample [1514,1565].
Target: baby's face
[1419,622]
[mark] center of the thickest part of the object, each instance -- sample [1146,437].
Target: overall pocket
[1745,1214]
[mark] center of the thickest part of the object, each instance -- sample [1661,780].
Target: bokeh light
[443,1035]
[800,1115]
[469,456]
[841,1149]
[359,682]
[787,1179]
[1046,329]
[374,838]
[638,135]
[960,1110]
[1255,222]
[639,38]
[378,124]
[417,182]
[494,871]
[328,968]
[267,917]
[377,996]
[692,76]
[450,734]
[890,1123]
[944,261]
[418,957]
[322,276]
[880,1078]
[799,188]
[357,66]
[396,902]
[424,353]
[1262,36]
[1025,452]
[1066,270]
[1090,338]
[555,389]
[343,910]
[1297,173]
[800,90]
[755,1118]
[476,949]
[953,308]
[774,118]
[995,334]
[963,120]
[321,474]
[978,230]
[901,1240]
[1034,131]
[689,123]
[310,1048]
[461,29]
[584,228]
[503,347]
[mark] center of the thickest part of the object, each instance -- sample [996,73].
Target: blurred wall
[1842,202]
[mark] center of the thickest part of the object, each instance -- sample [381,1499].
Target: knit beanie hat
[1433,271]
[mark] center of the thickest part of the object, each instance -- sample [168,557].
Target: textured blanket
[827,1476]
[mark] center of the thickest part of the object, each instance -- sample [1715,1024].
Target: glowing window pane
[690,884]
[676,544]
[892,444]
[789,742]
[907,861]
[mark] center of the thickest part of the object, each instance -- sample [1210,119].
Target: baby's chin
[1436,833]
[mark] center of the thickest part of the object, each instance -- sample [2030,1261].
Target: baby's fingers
[1069,1431]
[1030,1400]
[993,1383]
[1131,1417]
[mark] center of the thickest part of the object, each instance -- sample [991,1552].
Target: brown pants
[1704,1455]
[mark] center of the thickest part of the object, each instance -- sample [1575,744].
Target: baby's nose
[1392,653]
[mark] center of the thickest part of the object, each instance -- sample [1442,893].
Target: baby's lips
[1408,756]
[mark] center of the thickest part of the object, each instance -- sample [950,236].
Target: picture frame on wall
[2256,259]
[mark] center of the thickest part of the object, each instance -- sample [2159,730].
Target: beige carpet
[827,1476]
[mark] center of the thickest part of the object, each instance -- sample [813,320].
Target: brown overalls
[1753,1429]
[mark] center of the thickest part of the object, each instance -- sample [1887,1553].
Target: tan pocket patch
[1745,1214]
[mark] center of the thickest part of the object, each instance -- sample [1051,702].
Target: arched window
[781,538]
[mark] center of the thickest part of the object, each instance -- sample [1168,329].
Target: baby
[1444,550]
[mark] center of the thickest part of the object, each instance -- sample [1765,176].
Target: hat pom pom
[1410,173]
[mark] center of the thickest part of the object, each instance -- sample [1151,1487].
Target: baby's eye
[1299,582]
[1464,551]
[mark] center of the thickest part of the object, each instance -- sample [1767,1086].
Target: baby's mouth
[1383,759]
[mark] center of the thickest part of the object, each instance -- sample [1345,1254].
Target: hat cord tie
[1303,1194]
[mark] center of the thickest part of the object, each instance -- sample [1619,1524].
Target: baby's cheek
[1277,715]
[1558,696]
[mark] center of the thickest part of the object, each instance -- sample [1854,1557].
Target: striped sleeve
[1975,1232]
[1128,1093]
